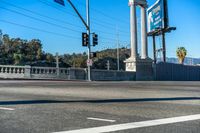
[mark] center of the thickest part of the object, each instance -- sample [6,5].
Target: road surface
[96,107]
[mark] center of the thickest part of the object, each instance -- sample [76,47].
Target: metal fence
[176,72]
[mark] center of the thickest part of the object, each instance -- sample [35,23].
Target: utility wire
[95,21]
[46,3]
[107,16]
[54,33]
[37,29]
[110,26]
[98,22]
[39,14]
[51,18]
[38,19]
[104,14]
[64,22]
[111,39]
[122,32]
[34,18]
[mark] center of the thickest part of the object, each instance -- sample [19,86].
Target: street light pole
[117,48]
[88,32]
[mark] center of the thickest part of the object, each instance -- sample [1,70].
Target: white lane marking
[9,109]
[126,126]
[99,119]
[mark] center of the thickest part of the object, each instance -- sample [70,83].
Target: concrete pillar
[144,48]
[57,66]
[27,72]
[133,26]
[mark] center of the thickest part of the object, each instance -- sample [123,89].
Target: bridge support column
[144,52]
[131,62]
[142,66]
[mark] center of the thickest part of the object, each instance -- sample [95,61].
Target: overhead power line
[44,21]
[120,31]
[94,21]
[38,19]
[104,14]
[46,3]
[54,33]
[64,22]
[40,30]
[39,14]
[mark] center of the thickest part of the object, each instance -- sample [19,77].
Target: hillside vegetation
[17,51]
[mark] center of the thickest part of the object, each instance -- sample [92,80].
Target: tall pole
[117,48]
[154,49]
[163,32]
[88,32]
[164,46]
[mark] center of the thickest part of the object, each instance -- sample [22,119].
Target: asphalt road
[56,106]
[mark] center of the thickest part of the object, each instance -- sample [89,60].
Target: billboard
[157,16]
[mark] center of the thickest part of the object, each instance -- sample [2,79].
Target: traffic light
[93,54]
[95,39]
[85,39]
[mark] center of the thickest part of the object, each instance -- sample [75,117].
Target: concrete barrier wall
[104,75]
[77,74]
[176,72]
[28,72]
[101,75]
[162,72]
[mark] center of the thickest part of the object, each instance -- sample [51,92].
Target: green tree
[17,59]
[49,58]
[181,53]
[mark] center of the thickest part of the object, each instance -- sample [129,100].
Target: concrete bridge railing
[7,71]
[28,72]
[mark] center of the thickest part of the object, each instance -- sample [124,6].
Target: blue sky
[60,29]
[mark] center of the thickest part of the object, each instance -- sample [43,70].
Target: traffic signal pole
[87,25]
[89,40]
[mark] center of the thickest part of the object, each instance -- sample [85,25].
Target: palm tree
[181,53]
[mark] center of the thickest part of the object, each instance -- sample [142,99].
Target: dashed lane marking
[99,119]
[9,109]
[134,125]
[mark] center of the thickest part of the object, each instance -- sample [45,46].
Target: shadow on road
[98,101]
